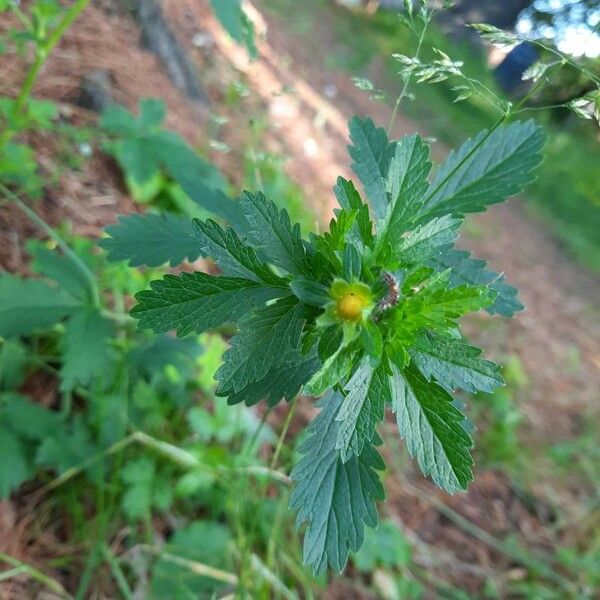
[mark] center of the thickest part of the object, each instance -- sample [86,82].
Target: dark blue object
[517,61]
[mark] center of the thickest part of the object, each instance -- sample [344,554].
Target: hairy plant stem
[77,262]
[42,52]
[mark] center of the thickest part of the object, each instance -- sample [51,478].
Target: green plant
[40,28]
[366,313]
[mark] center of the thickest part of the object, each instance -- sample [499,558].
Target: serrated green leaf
[264,340]
[349,199]
[87,348]
[61,269]
[367,393]
[485,170]
[431,425]
[453,364]
[333,370]
[436,306]
[426,240]
[406,184]
[372,152]
[310,292]
[196,302]
[273,234]
[30,304]
[468,270]
[151,240]
[233,257]
[283,382]
[351,263]
[337,499]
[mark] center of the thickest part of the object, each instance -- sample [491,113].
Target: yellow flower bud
[350,306]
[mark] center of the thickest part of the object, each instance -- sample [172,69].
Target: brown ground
[311,129]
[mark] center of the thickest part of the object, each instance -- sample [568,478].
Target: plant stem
[409,76]
[21,15]
[283,433]
[247,451]
[77,262]
[48,581]
[86,577]
[194,566]
[43,51]
[117,572]
[180,457]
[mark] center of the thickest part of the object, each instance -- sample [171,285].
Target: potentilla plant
[364,315]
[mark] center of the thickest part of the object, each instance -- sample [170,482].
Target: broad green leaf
[30,304]
[385,546]
[233,257]
[406,184]
[426,240]
[282,382]
[485,170]
[161,350]
[21,423]
[431,425]
[372,152]
[467,270]
[15,467]
[151,240]
[236,23]
[138,477]
[61,269]
[273,235]
[27,419]
[229,13]
[206,542]
[143,149]
[263,342]
[367,393]
[69,446]
[453,364]
[196,302]
[14,360]
[336,499]
[87,352]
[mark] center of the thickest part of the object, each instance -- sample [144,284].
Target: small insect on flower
[393,293]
